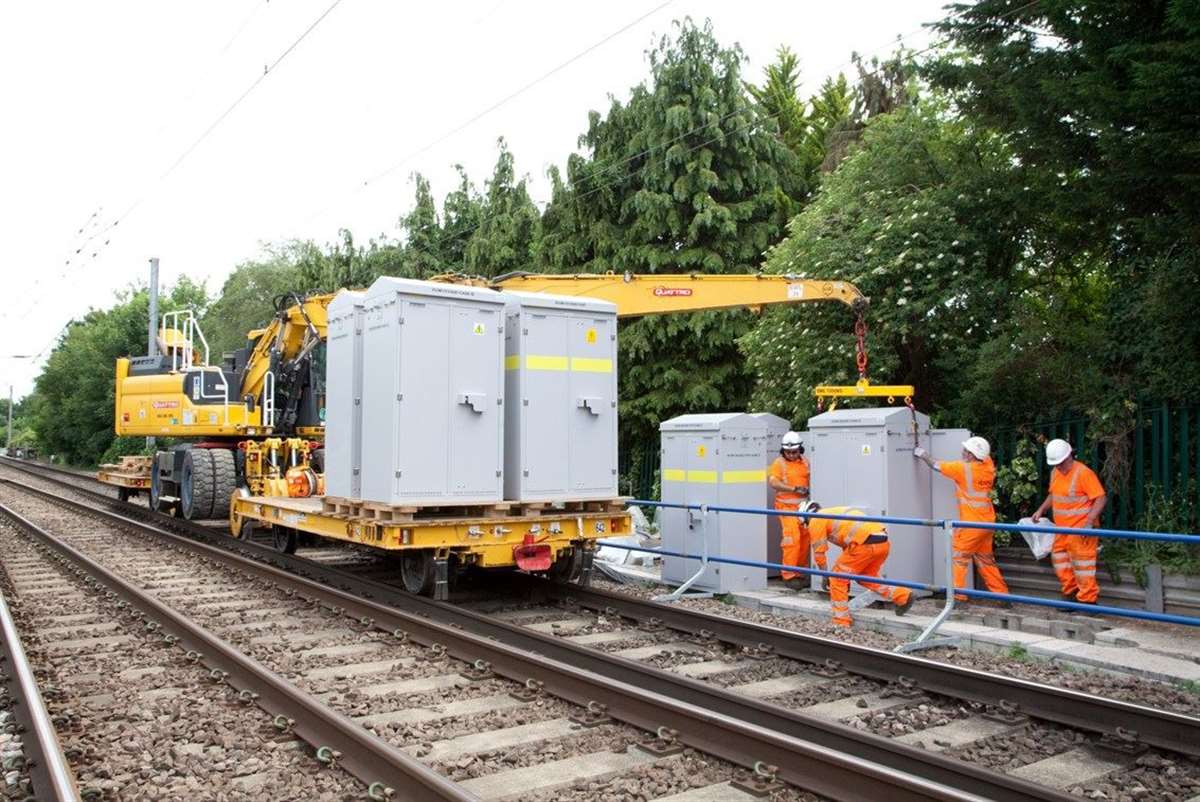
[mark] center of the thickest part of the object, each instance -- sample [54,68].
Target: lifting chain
[860,345]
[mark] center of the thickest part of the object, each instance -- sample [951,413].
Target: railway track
[902,701]
[417,668]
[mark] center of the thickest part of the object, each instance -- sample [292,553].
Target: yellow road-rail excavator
[256,420]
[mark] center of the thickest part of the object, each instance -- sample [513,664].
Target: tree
[506,236]
[246,300]
[421,255]
[687,175]
[75,392]
[922,216]
[1096,100]
[461,216]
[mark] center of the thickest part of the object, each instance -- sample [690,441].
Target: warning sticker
[591,336]
[795,291]
[701,451]
[866,451]
[479,329]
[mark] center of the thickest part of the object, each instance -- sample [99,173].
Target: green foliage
[1091,99]
[423,254]
[1018,652]
[509,227]
[1018,482]
[1177,511]
[923,219]
[74,395]
[687,175]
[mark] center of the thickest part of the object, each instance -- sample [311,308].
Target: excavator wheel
[224,481]
[156,502]
[197,484]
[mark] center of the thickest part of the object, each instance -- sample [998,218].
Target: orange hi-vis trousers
[865,559]
[976,544]
[793,540]
[1074,560]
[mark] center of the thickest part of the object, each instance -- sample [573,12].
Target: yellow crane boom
[656,294]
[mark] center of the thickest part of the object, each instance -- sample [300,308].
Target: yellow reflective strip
[536,362]
[673,475]
[704,477]
[743,477]
[512,362]
[588,365]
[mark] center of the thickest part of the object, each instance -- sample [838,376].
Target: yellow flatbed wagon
[130,476]
[431,542]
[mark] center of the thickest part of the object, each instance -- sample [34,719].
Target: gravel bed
[839,688]
[196,741]
[920,715]
[1154,777]
[771,668]
[427,733]
[674,775]
[1033,742]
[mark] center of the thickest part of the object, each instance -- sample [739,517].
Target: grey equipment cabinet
[777,427]
[714,459]
[864,458]
[433,392]
[343,396]
[560,425]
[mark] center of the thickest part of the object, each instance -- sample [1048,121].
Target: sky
[200,132]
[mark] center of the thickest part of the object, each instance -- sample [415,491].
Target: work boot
[1069,597]
[901,609]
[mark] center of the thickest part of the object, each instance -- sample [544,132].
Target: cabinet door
[423,406]
[546,405]
[593,430]
[475,390]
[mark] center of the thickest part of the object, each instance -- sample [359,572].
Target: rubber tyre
[196,485]
[156,503]
[224,481]
[283,539]
[417,572]
[123,494]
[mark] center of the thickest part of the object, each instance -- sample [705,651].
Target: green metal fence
[1165,453]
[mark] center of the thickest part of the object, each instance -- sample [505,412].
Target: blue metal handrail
[947,525]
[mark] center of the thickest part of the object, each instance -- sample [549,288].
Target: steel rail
[367,757]
[51,777]
[1164,729]
[822,756]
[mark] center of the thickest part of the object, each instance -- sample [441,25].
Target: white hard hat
[1057,451]
[978,446]
[810,506]
[792,440]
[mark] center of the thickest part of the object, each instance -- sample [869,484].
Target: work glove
[920,453]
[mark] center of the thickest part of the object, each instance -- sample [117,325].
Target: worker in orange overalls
[789,478]
[865,549]
[973,477]
[1077,499]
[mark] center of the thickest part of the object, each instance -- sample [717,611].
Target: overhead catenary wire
[474,118]
[191,148]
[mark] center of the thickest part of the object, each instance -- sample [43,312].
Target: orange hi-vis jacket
[791,472]
[973,483]
[1072,494]
[843,533]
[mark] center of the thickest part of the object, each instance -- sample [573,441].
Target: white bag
[1040,543]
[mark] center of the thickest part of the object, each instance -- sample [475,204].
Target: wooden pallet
[526,508]
[338,507]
